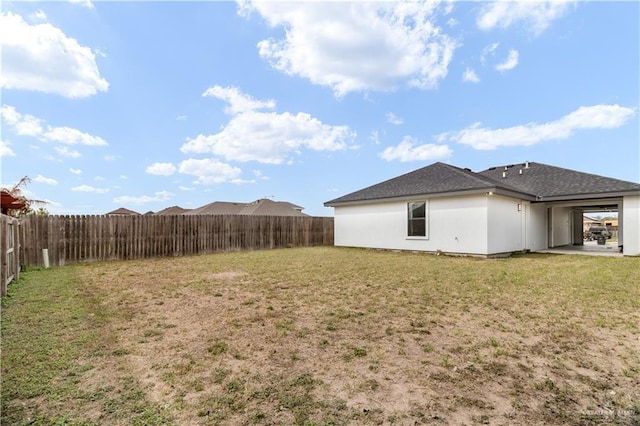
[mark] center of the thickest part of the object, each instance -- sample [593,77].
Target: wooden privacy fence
[70,239]
[9,251]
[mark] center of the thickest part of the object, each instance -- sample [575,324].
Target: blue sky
[147,105]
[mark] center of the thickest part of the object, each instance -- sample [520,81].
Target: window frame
[411,219]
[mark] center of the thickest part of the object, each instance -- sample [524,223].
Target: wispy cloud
[584,118]
[161,169]
[157,197]
[5,149]
[84,3]
[510,62]
[90,189]
[42,179]
[410,149]
[28,125]
[393,119]
[535,16]
[469,75]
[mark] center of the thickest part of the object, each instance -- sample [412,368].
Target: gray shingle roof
[537,180]
[543,180]
[437,178]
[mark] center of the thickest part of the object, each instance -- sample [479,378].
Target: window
[417,220]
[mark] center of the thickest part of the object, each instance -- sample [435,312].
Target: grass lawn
[322,336]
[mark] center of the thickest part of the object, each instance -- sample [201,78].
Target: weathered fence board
[9,251]
[72,239]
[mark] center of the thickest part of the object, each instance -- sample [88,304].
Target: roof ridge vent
[526,164]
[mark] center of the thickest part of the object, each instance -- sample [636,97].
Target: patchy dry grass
[320,336]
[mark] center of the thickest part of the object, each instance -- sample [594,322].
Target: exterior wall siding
[537,218]
[561,226]
[631,229]
[506,224]
[455,225]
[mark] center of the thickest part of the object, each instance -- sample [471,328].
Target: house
[588,222]
[173,210]
[519,207]
[261,207]
[122,212]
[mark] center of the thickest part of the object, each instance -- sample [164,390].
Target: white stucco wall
[561,226]
[537,218]
[631,229]
[455,225]
[506,224]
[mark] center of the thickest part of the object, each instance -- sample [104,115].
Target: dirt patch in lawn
[336,336]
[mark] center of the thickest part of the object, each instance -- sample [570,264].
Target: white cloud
[209,170]
[39,15]
[84,3]
[259,174]
[70,136]
[592,117]
[536,16]
[238,101]
[75,171]
[470,75]
[21,124]
[5,150]
[266,137]
[374,137]
[89,188]
[28,125]
[66,152]
[48,181]
[410,150]
[510,63]
[161,169]
[159,196]
[185,188]
[357,46]
[488,50]
[393,119]
[43,59]
[181,117]
[270,137]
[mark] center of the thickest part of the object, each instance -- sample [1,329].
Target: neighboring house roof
[218,207]
[261,207]
[173,210]
[536,182]
[586,218]
[123,211]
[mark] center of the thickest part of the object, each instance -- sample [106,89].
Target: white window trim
[426,221]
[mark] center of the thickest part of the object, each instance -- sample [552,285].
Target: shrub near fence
[71,239]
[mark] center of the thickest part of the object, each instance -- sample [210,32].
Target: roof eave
[485,190]
[587,196]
